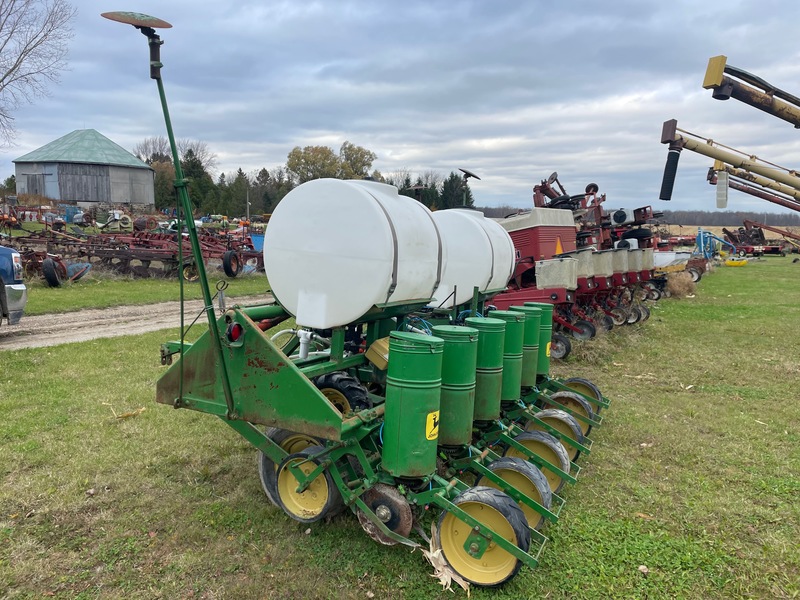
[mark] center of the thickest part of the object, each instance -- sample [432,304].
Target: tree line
[264,188]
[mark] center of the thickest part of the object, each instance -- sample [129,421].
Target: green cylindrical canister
[489,367]
[458,383]
[530,343]
[545,333]
[512,353]
[411,421]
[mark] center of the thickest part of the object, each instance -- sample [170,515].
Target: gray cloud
[511,90]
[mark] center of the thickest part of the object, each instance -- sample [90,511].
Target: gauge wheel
[564,423]
[654,294]
[576,403]
[344,391]
[605,322]
[560,346]
[587,388]
[645,312]
[585,330]
[319,500]
[634,315]
[547,447]
[619,315]
[526,478]
[292,443]
[496,510]
[695,274]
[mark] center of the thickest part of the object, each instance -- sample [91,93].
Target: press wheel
[619,315]
[320,499]
[575,403]
[547,447]
[587,388]
[496,510]
[562,422]
[391,507]
[526,478]
[292,443]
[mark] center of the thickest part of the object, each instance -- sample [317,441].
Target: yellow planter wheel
[548,448]
[320,499]
[587,388]
[497,511]
[291,442]
[576,404]
[526,478]
[563,423]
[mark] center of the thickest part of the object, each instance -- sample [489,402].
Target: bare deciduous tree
[157,149]
[200,150]
[33,50]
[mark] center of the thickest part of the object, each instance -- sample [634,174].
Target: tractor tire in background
[344,391]
[231,263]
[498,511]
[54,272]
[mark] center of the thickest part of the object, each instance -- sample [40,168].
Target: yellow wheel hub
[338,399]
[495,565]
[309,503]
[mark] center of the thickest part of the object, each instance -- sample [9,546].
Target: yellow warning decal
[432,425]
[559,247]
[548,349]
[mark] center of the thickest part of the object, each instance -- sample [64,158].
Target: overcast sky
[511,90]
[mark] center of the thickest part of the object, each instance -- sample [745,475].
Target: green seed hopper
[414,408]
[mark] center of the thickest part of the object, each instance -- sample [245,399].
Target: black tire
[560,346]
[322,499]
[547,447]
[634,315]
[574,402]
[562,422]
[528,479]
[619,315]
[654,294]
[623,244]
[637,234]
[53,275]
[741,254]
[344,391]
[645,312]
[604,322]
[587,388]
[586,331]
[231,263]
[292,443]
[474,570]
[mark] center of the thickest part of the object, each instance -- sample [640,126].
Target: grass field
[691,490]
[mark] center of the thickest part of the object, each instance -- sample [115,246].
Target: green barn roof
[83,146]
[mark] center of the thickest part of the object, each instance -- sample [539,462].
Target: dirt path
[81,326]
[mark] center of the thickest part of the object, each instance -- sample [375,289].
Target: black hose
[670,171]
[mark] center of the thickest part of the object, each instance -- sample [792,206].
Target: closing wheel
[562,422]
[560,346]
[231,263]
[319,500]
[604,322]
[634,315]
[619,315]
[585,330]
[493,508]
[528,479]
[344,391]
[291,443]
[548,448]
[576,404]
[391,507]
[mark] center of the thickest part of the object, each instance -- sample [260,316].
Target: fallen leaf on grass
[760,422]
[643,570]
[308,531]
[90,492]
[644,516]
[646,445]
[441,570]
[370,594]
